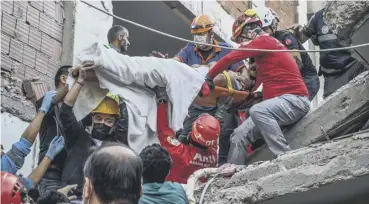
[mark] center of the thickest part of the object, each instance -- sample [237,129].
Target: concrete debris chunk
[291,177]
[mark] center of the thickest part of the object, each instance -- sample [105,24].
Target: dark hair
[156,163]
[113,32]
[63,70]
[115,172]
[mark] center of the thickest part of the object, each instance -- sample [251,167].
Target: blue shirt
[190,55]
[13,160]
[160,193]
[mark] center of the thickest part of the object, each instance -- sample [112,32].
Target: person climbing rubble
[78,141]
[270,21]
[202,29]
[337,67]
[201,152]
[285,96]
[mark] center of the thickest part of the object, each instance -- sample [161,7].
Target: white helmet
[267,16]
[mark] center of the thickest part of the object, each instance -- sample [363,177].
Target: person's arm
[56,145]
[235,56]
[71,127]
[166,135]
[306,32]
[182,56]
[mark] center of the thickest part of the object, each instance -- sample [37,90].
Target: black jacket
[79,144]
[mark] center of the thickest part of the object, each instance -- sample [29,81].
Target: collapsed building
[329,163]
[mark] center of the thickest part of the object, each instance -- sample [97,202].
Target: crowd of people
[90,161]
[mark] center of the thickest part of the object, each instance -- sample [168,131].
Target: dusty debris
[344,17]
[13,100]
[296,171]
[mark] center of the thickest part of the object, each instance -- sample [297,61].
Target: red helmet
[205,131]
[240,22]
[10,189]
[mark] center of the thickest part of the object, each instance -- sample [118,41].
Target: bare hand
[67,189]
[80,71]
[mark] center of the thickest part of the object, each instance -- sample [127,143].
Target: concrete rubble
[295,172]
[345,17]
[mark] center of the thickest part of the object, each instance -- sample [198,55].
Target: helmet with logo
[201,24]
[267,16]
[241,22]
[109,105]
[12,190]
[205,131]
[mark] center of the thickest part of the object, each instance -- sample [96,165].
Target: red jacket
[186,159]
[277,71]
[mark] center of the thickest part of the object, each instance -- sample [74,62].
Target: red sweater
[186,159]
[277,71]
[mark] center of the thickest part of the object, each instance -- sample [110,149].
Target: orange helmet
[202,23]
[205,131]
[240,23]
[11,189]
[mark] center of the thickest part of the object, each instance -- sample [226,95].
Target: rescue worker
[118,38]
[270,22]
[202,30]
[78,141]
[13,191]
[285,96]
[201,152]
[50,127]
[337,67]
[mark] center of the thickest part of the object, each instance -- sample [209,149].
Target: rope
[223,47]
[206,188]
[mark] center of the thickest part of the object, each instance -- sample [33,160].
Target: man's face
[123,40]
[205,37]
[107,119]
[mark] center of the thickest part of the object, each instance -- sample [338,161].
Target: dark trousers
[335,81]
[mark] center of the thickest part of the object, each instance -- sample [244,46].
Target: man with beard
[118,38]
[79,141]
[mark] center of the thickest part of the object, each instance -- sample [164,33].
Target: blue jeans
[264,122]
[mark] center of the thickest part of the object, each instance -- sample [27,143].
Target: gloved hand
[121,129]
[161,94]
[46,102]
[158,54]
[207,87]
[56,145]
[222,107]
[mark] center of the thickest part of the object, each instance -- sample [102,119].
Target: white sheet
[127,76]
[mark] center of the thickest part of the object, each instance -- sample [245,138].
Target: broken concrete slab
[345,17]
[296,173]
[327,116]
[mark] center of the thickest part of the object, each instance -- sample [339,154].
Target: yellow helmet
[202,23]
[110,105]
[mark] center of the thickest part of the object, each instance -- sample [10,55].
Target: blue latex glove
[46,102]
[56,145]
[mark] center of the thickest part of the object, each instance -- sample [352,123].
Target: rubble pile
[345,17]
[297,171]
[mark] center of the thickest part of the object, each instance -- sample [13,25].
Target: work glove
[161,94]
[121,129]
[207,87]
[46,102]
[222,107]
[158,54]
[56,145]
